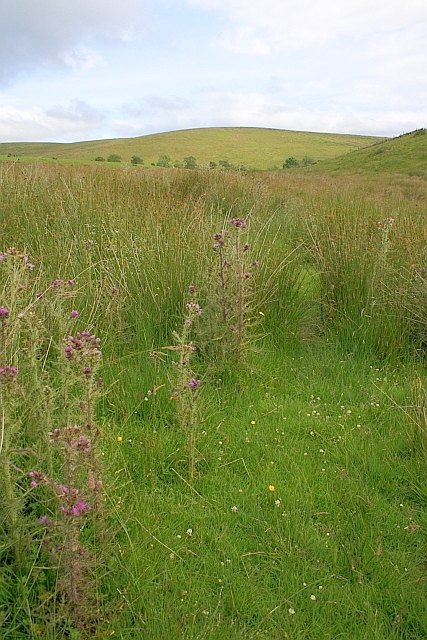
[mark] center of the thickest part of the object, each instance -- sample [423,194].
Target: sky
[74,70]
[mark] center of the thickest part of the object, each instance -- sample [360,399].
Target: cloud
[36,124]
[216,108]
[275,25]
[40,33]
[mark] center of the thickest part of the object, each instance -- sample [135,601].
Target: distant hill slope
[406,154]
[248,146]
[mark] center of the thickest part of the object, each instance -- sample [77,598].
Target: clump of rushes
[186,385]
[74,521]
[230,291]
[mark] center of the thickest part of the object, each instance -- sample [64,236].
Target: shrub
[99,159]
[164,161]
[136,160]
[190,162]
[291,163]
[114,157]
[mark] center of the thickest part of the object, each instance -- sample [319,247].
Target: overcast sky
[88,69]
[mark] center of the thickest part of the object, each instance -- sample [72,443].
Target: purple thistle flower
[30,265]
[46,521]
[194,308]
[238,223]
[193,383]
[36,478]
[4,313]
[246,246]
[74,313]
[87,371]
[248,274]
[57,283]
[71,283]
[8,373]
[255,263]
[191,288]
[63,489]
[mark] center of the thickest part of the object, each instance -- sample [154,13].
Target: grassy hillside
[404,155]
[252,147]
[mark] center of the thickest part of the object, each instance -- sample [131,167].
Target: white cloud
[37,124]
[274,25]
[37,33]
[216,108]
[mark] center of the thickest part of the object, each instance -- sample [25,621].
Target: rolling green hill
[406,155]
[249,146]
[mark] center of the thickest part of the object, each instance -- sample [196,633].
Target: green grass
[405,155]
[327,409]
[251,147]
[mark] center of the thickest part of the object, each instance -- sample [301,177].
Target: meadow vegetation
[213,404]
[250,147]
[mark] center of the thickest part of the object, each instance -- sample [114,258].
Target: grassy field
[251,147]
[305,517]
[404,155]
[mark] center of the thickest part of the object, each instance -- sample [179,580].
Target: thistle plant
[75,530]
[186,385]
[15,269]
[230,291]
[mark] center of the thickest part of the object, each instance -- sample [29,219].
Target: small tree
[291,163]
[190,162]
[136,160]
[164,161]
[114,157]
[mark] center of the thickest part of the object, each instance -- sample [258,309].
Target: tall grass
[309,476]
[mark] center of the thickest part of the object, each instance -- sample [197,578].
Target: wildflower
[189,532]
[7,373]
[36,478]
[234,509]
[253,422]
[191,288]
[194,308]
[119,439]
[246,246]
[74,313]
[193,383]
[87,371]
[292,611]
[71,283]
[83,444]
[312,597]
[30,265]
[255,263]
[238,223]
[57,283]
[46,521]
[271,488]
[4,313]
[277,503]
